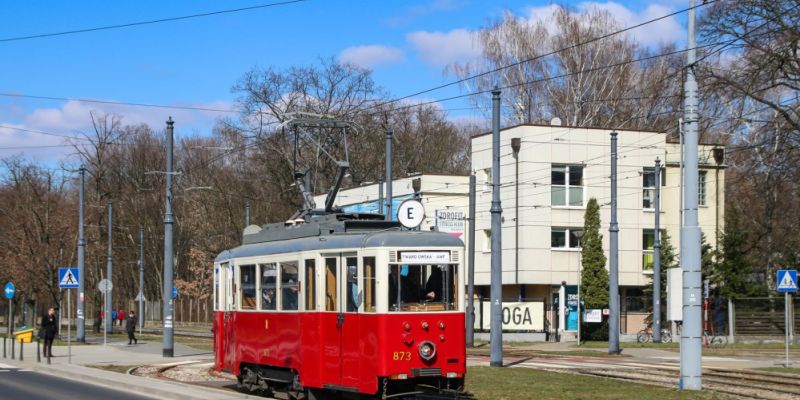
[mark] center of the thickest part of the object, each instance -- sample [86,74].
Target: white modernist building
[548,174]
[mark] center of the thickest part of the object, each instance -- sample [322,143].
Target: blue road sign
[787,280]
[174,292]
[68,278]
[9,290]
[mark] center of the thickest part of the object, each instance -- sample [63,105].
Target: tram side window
[369,284]
[352,284]
[247,286]
[330,284]
[289,286]
[268,276]
[311,280]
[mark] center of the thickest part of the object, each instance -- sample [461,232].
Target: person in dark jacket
[130,327]
[49,328]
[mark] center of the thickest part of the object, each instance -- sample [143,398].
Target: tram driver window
[423,287]
[247,285]
[268,275]
[289,286]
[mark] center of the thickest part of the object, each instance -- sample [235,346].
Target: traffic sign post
[69,278]
[9,291]
[787,284]
[105,287]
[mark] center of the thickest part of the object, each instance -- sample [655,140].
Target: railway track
[738,384]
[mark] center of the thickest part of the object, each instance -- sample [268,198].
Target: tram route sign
[411,213]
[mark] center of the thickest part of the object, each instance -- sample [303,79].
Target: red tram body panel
[322,354]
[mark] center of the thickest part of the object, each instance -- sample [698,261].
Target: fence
[764,316]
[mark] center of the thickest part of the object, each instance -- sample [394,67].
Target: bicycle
[713,341]
[646,335]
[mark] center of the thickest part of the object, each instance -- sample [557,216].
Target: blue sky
[195,62]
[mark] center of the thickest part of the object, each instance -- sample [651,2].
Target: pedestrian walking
[121,316]
[49,328]
[130,327]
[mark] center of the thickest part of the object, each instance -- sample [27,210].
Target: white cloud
[443,48]
[371,56]
[72,117]
[662,31]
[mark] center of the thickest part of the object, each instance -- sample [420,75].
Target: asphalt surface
[21,384]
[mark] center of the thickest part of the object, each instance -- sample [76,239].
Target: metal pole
[247,214]
[657,258]
[168,350]
[81,322]
[471,273]
[786,321]
[109,323]
[692,332]
[69,327]
[515,145]
[496,335]
[389,134]
[613,287]
[380,195]
[141,279]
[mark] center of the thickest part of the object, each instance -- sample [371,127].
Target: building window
[648,244]
[487,240]
[565,238]
[649,186]
[566,185]
[487,175]
[701,188]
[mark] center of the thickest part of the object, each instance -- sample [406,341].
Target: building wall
[543,146]
[436,192]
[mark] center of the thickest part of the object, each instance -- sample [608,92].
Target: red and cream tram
[342,306]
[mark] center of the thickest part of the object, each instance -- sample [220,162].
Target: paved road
[22,384]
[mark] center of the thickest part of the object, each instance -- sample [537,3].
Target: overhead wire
[147,22]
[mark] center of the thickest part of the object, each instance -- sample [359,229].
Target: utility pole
[141,279]
[471,258]
[81,326]
[247,214]
[109,323]
[691,334]
[380,195]
[389,134]
[657,258]
[168,350]
[613,265]
[516,143]
[496,335]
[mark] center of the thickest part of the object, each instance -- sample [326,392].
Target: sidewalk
[119,353]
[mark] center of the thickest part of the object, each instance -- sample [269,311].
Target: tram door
[340,342]
[350,332]
[229,306]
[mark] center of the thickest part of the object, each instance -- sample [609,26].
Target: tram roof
[345,240]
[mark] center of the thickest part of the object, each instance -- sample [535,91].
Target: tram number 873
[401,356]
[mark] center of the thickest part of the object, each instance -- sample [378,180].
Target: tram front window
[423,287]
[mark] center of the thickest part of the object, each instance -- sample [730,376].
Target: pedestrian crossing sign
[787,280]
[68,278]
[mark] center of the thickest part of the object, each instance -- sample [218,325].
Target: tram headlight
[427,350]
